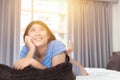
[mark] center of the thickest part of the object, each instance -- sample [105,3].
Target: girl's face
[38,35]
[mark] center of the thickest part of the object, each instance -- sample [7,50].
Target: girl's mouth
[38,39]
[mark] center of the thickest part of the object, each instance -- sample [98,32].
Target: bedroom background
[92,25]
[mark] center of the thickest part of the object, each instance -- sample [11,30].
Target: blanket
[61,71]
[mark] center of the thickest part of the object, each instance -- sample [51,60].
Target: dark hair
[52,37]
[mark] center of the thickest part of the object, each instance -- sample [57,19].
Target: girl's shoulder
[56,42]
[56,46]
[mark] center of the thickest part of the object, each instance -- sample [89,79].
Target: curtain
[90,28]
[116,27]
[9,31]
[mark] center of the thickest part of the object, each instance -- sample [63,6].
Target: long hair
[52,37]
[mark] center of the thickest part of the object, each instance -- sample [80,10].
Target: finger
[21,67]
[26,37]
[16,66]
[70,44]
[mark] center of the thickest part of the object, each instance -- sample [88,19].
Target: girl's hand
[22,63]
[70,47]
[28,42]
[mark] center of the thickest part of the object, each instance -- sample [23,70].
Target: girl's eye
[32,30]
[41,29]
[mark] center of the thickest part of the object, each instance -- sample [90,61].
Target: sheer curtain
[116,27]
[90,27]
[9,30]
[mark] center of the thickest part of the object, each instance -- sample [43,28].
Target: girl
[41,49]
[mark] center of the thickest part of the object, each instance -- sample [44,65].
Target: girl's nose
[37,33]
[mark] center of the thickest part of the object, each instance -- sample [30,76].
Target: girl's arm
[28,59]
[37,64]
[60,58]
[31,47]
[24,62]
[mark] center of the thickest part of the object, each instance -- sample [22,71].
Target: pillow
[114,62]
[61,71]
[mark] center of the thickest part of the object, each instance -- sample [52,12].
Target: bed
[100,74]
[111,72]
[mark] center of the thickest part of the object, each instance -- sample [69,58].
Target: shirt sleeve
[23,52]
[58,48]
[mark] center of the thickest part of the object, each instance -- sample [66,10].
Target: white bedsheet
[100,74]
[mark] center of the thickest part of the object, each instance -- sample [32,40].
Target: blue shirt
[55,47]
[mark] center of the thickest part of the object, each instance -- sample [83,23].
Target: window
[52,12]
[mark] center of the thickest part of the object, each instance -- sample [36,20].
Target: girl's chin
[37,44]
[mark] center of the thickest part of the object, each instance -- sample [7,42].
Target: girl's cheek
[44,33]
[31,35]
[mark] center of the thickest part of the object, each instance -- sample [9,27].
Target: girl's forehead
[37,26]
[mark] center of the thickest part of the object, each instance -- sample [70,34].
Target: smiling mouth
[38,39]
